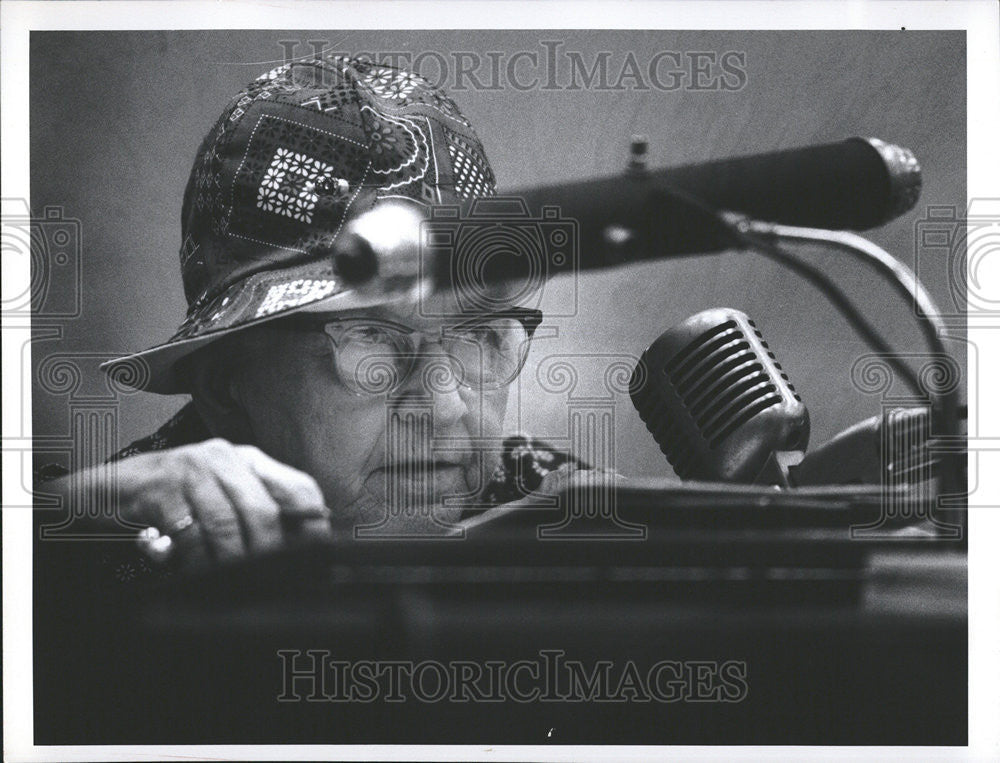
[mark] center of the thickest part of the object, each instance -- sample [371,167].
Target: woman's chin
[408,502]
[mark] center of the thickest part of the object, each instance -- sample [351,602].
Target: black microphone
[891,449]
[718,403]
[855,184]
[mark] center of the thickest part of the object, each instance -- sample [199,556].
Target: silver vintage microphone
[718,403]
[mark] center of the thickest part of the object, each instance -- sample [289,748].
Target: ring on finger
[181,524]
[154,545]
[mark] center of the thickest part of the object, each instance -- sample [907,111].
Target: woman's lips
[416,486]
[444,477]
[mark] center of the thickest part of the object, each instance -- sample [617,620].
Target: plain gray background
[116,118]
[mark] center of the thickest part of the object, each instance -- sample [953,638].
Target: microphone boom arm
[944,403]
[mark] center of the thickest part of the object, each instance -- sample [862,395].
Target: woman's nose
[436,376]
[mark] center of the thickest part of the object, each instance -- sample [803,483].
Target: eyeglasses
[374,356]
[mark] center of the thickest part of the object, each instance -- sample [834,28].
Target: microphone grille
[906,433]
[715,398]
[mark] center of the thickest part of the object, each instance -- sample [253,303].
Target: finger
[594,479]
[295,491]
[189,546]
[556,480]
[257,511]
[613,474]
[216,518]
[308,530]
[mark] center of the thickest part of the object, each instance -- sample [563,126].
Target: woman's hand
[218,502]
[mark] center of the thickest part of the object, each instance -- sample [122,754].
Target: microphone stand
[944,403]
[664,221]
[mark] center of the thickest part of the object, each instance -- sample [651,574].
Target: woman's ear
[213,382]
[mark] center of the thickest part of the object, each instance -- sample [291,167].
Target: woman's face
[381,459]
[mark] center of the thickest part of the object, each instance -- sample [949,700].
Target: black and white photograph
[500,381]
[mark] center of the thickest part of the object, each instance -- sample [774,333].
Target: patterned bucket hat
[298,153]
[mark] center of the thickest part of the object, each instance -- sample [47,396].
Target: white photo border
[979,19]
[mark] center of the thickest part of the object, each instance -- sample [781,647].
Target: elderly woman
[325,400]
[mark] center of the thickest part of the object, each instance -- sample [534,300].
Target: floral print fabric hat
[295,155]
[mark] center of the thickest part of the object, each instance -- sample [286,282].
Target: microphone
[855,184]
[722,409]
[718,403]
[642,214]
[889,449]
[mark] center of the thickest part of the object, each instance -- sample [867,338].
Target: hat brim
[313,286]
[154,369]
